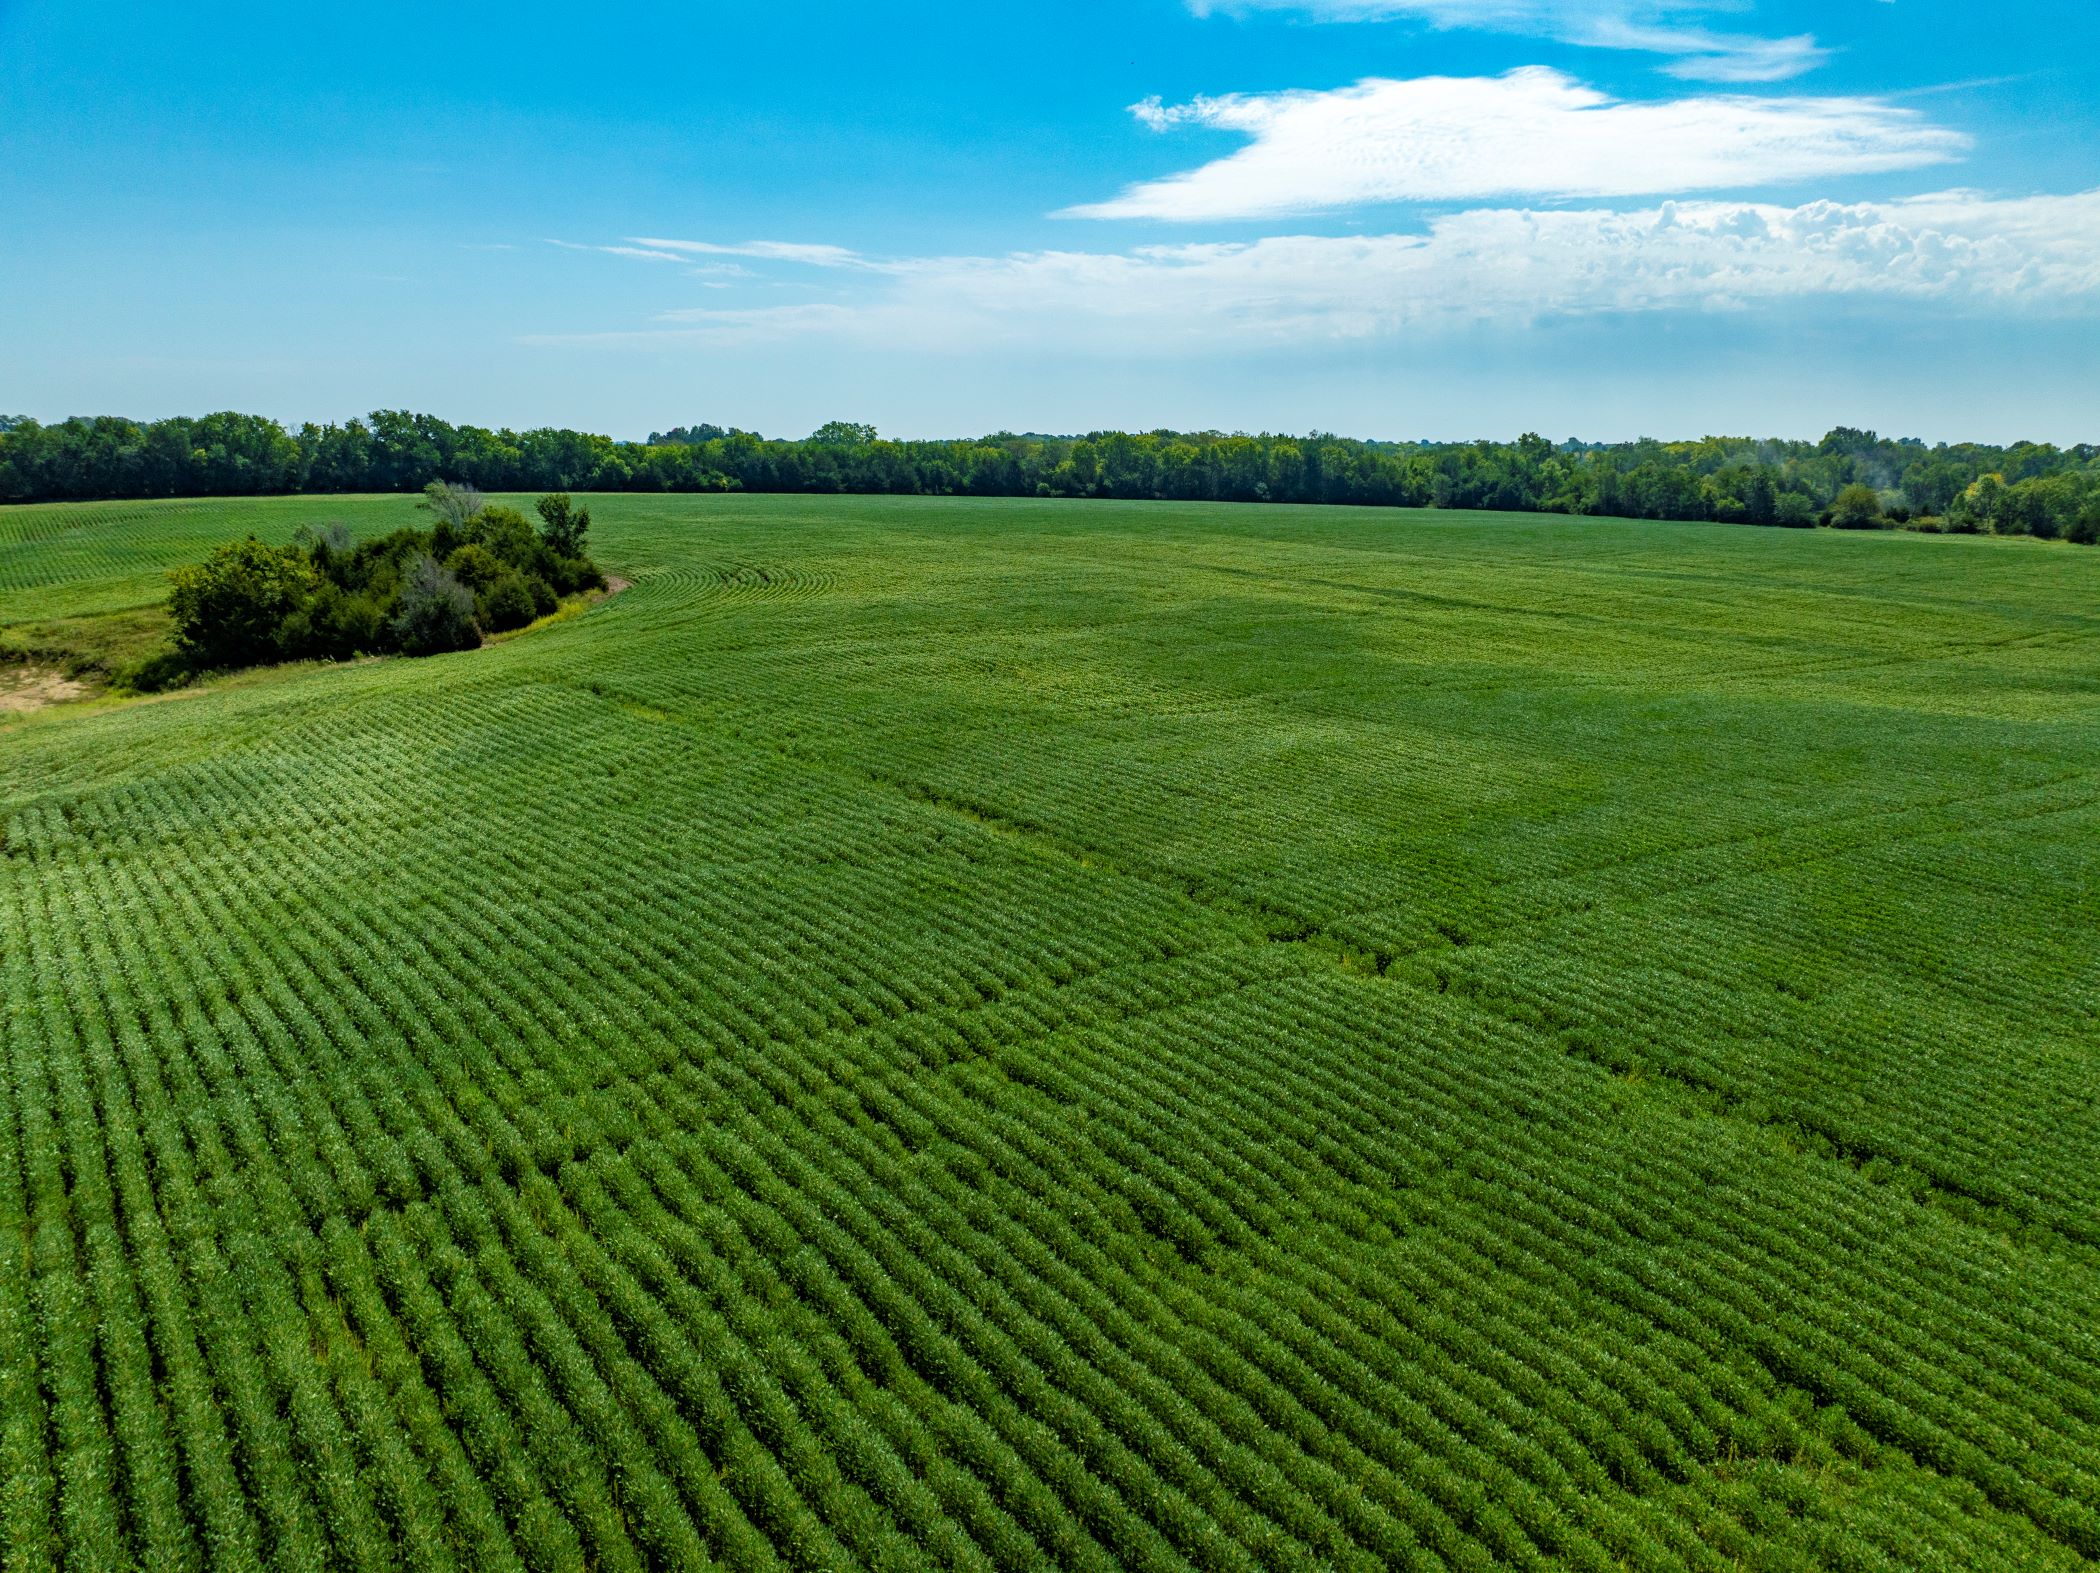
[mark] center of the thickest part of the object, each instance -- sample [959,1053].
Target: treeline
[1849,478]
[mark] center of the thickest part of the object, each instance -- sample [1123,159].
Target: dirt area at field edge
[26,688]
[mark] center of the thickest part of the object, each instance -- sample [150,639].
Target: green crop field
[931,1033]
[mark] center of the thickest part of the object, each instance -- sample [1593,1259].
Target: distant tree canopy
[480,569]
[843,434]
[2024,489]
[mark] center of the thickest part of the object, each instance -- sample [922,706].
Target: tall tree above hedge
[231,609]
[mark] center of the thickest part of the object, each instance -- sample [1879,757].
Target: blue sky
[1396,218]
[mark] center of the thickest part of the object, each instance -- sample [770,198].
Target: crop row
[629,1296]
[591,1116]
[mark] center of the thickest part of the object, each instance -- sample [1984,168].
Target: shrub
[476,567]
[1794,510]
[571,575]
[338,624]
[436,611]
[154,674]
[505,533]
[505,604]
[1857,507]
[230,609]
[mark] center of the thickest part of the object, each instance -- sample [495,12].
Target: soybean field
[61,560]
[932,1033]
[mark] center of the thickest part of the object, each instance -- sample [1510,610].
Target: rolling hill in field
[1014,1035]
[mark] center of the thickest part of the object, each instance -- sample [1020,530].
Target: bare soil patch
[25,688]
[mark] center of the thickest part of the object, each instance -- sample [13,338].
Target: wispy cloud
[648,250]
[1706,56]
[1697,52]
[1963,251]
[766,250]
[1533,132]
[644,253]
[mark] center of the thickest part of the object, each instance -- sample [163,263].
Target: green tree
[505,604]
[563,526]
[507,533]
[1760,497]
[230,609]
[843,434]
[453,503]
[476,567]
[1794,510]
[1978,506]
[436,611]
[1858,507]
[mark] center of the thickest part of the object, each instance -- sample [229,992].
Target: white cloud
[1964,252]
[642,253]
[1534,132]
[1643,25]
[1704,56]
[767,250]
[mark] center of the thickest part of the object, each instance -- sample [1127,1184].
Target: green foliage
[230,610]
[330,596]
[506,534]
[153,674]
[1857,508]
[1731,479]
[843,434]
[453,503]
[993,1034]
[476,567]
[1794,510]
[337,623]
[504,604]
[573,575]
[434,612]
[563,526]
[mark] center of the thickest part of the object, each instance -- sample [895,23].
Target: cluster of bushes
[2025,489]
[480,569]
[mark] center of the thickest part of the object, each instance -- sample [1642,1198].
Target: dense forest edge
[1849,479]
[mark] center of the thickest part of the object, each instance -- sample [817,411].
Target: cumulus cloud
[1698,52]
[1961,251]
[1532,132]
